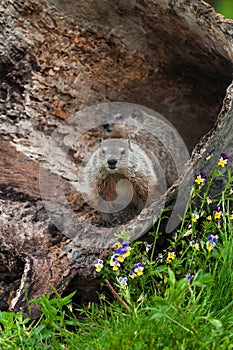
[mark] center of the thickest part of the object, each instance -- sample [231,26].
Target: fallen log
[173,57]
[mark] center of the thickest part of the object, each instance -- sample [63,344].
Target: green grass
[224,7]
[181,298]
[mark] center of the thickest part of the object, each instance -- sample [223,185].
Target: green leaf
[38,329]
[157,316]
[160,300]
[172,278]
[202,279]
[216,323]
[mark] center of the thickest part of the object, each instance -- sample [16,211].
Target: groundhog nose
[112,163]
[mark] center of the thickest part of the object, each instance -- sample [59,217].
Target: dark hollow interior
[153,55]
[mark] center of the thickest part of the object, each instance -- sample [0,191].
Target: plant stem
[116,294]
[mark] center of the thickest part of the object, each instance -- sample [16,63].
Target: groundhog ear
[101,140]
[130,147]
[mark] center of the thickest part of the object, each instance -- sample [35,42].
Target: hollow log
[58,58]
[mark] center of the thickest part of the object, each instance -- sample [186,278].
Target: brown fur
[132,165]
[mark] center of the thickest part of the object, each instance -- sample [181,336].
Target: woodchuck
[118,181]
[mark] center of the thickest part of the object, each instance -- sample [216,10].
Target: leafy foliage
[224,7]
[180,298]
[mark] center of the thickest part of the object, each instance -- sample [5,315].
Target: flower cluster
[137,271]
[217,212]
[209,200]
[114,263]
[122,281]
[223,160]
[171,256]
[207,215]
[148,247]
[195,216]
[189,277]
[193,245]
[209,156]
[121,252]
[212,242]
[201,178]
[99,265]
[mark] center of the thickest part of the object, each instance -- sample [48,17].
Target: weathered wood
[59,57]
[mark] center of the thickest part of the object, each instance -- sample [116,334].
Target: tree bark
[58,58]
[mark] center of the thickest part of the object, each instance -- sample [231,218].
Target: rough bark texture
[59,57]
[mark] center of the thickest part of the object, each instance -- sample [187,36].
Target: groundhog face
[114,154]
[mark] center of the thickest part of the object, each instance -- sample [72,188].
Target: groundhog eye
[122,150]
[103,150]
